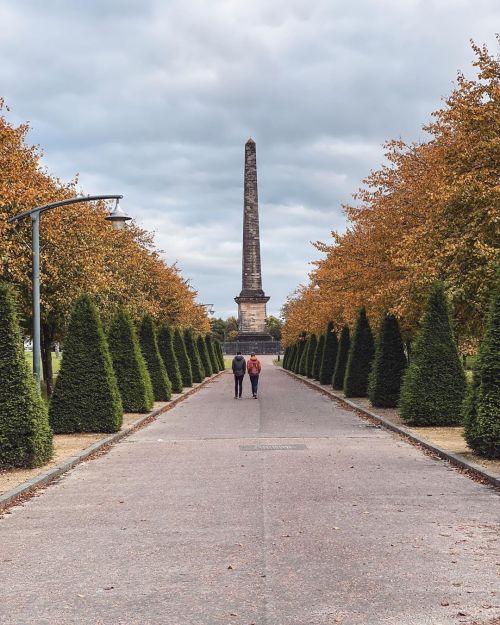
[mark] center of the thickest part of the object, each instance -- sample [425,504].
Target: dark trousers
[254,379]
[238,385]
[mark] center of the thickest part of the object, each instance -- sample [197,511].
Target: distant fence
[247,347]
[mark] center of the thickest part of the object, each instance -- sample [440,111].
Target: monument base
[254,337]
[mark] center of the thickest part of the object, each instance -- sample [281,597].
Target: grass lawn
[56,362]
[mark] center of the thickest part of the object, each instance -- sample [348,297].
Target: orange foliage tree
[80,252]
[431,212]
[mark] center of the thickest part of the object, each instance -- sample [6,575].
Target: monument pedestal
[252,318]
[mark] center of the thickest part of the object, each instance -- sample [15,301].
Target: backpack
[253,367]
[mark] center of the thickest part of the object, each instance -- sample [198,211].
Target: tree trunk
[48,374]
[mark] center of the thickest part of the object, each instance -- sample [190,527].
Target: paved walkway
[183,524]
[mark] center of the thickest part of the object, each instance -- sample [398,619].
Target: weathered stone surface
[252,299]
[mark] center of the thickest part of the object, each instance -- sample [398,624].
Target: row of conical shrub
[100,377]
[430,391]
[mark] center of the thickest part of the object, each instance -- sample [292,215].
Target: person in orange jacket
[254,368]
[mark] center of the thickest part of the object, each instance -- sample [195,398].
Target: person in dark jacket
[239,370]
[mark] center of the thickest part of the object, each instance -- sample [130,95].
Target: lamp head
[117,217]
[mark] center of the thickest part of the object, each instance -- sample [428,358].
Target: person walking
[239,370]
[254,367]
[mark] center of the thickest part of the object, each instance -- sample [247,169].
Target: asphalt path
[284,510]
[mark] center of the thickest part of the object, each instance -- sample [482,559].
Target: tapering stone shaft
[252,300]
[251,270]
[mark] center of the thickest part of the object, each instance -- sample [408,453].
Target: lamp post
[35,214]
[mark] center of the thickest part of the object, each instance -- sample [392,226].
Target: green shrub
[162,388]
[341,360]
[129,366]
[482,408]
[86,397]
[434,384]
[167,352]
[360,358]
[318,357]
[220,354]
[311,353]
[194,356]
[303,357]
[205,358]
[183,358]
[329,356]
[388,366]
[214,361]
[301,344]
[25,434]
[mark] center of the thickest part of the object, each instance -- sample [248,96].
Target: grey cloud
[155,99]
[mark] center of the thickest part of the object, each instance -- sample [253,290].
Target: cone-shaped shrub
[86,397]
[25,435]
[318,357]
[162,388]
[293,355]
[388,366]
[303,357]
[129,366]
[434,383]
[287,356]
[311,353]
[360,358]
[301,344]
[329,356]
[205,358]
[341,361]
[183,358]
[167,352]
[194,356]
[214,361]
[482,408]
[220,354]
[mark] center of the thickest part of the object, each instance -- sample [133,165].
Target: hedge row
[430,390]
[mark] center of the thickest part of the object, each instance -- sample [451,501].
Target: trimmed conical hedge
[311,353]
[167,352]
[194,356]
[183,358]
[434,384]
[205,358]
[301,344]
[341,361]
[482,408]
[211,352]
[220,354]
[129,366]
[25,434]
[162,388]
[86,397]
[388,366]
[329,356]
[303,357]
[318,357]
[360,358]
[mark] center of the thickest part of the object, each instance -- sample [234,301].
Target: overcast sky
[156,98]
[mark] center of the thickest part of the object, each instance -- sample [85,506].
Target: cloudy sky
[156,98]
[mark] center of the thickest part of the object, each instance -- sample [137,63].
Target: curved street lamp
[117,218]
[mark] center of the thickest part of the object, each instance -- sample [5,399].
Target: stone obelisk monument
[252,299]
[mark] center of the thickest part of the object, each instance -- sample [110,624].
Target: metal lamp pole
[35,214]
